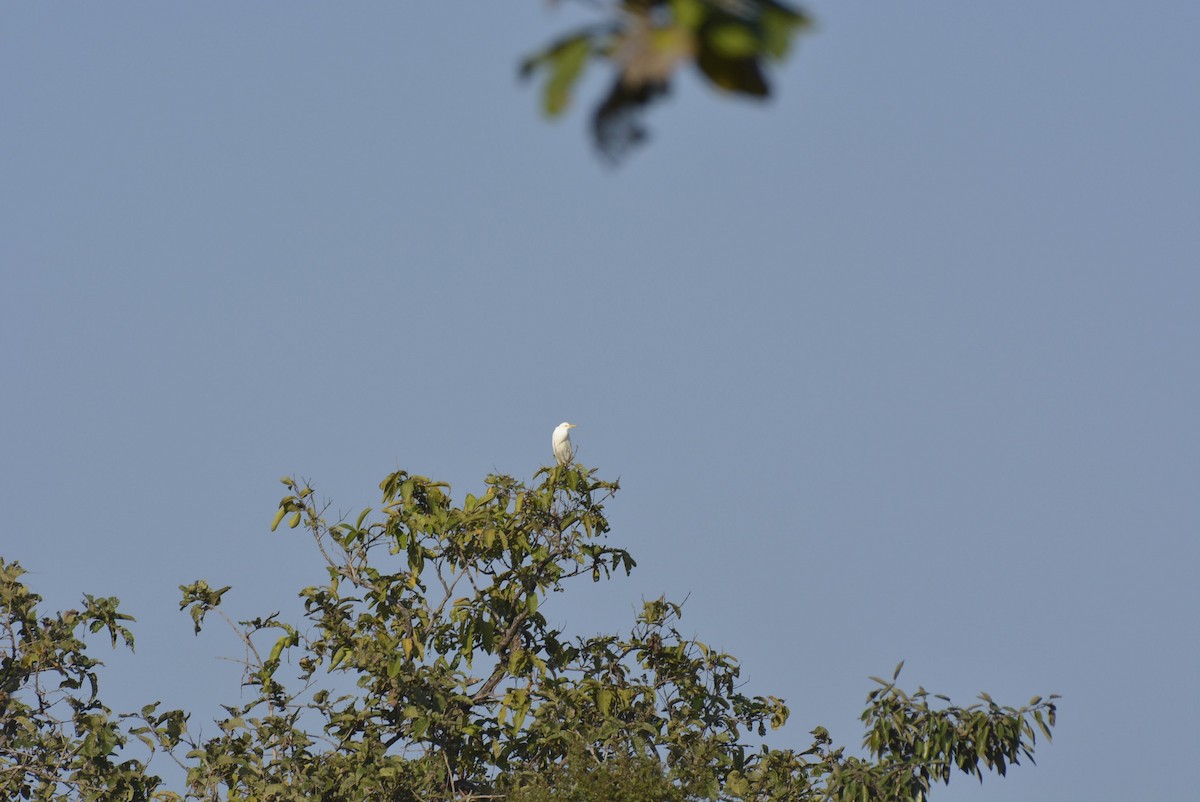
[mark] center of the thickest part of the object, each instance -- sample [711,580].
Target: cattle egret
[564,452]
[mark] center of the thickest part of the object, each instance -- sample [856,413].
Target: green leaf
[733,40]
[1037,716]
[566,65]
[338,657]
[689,14]
[741,75]
[779,27]
[277,649]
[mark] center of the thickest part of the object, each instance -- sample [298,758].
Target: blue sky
[903,364]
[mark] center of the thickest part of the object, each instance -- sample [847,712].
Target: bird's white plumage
[560,441]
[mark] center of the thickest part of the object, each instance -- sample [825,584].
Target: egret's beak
[572,426]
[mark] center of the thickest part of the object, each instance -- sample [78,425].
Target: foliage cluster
[426,670]
[646,42]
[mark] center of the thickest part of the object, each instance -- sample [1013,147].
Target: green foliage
[57,740]
[583,777]
[425,670]
[645,43]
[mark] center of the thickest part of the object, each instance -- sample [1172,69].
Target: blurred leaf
[780,25]
[733,40]
[566,67]
[741,75]
[690,13]
[616,124]
[564,62]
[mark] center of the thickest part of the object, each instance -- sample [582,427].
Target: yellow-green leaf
[734,40]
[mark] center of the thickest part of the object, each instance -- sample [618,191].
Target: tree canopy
[424,669]
[645,43]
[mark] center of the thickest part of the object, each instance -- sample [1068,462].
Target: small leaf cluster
[911,744]
[729,42]
[58,741]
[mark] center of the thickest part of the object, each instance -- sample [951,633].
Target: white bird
[564,452]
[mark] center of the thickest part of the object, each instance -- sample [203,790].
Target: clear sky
[904,364]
